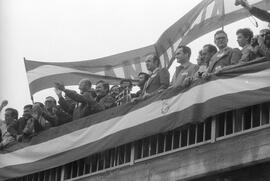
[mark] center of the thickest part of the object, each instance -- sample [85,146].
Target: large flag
[238,87]
[42,75]
[203,18]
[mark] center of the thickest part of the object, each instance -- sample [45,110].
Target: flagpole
[223,15]
[31,96]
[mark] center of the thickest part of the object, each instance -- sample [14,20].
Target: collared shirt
[182,72]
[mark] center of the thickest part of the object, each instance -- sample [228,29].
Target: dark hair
[52,98]
[126,80]
[28,106]
[246,32]
[40,104]
[87,81]
[105,85]
[114,87]
[211,48]
[14,112]
[186,49]
[146,75]
[221,31]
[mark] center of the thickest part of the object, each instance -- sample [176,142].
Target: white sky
[74,30]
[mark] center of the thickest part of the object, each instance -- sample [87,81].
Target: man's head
[244,36]
[265,35]
[114,91]
[50,102]
[143,77]
[221,39]
[152,62]
[85,85]
[182,54]
[102,88]
[11,115]
[27,110]
[124,83]
[207,52]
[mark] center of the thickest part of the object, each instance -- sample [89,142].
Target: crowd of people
[71,106]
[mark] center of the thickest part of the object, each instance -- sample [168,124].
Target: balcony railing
[222,126]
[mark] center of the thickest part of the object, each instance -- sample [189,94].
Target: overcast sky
[74,30]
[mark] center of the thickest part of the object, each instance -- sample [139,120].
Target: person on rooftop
[159,78]
[225,56]
[183,74]
[206,54]
[10,133]
[104,99]
[244,37]
[85,103]
[142,79]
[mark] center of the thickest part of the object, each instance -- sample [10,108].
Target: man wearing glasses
[226,56]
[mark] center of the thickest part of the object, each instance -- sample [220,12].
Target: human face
[242,41]
[100,90]
[83,87]
[114,91]
[141,80]
[180,56]
[206,55]
[150,64]
[49,104]
[27,112]
[8,117]
[221,40]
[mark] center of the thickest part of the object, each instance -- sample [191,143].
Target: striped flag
[203,18]
[238,87]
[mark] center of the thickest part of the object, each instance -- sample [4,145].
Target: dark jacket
[160,80]
[85,104]
[106,102]
[228,56]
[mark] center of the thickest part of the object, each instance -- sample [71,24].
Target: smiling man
[226,56]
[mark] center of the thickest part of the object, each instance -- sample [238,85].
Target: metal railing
[221,126]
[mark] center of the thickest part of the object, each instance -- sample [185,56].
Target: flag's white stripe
[48,70]
[198,94]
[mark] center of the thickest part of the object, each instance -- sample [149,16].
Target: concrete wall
[213,158]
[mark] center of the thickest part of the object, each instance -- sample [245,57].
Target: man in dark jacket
[104,99]
[85,103]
